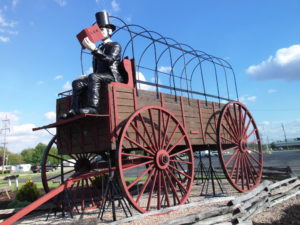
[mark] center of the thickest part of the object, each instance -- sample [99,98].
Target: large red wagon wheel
[240,149]
[155,160]
[85,193]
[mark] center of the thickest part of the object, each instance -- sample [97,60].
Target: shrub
[28,192]
[17,204]
[100,181]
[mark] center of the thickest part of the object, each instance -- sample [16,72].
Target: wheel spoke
[138,145]
[137,165]
[152,189]
[251,133]
[59,175]
[226,139]
[165,189]
[176,144]
[166,132]
[178,182]
[169,142]
[230,126]
[234,165]
[230,158]
[138,156]
[184,174]
[250,165]
[145,185]
[172,186]
[180,161]
[146,130]
[233,124]
[60,158]
[229,149]
[142,137]
[237,169]
[180,152]
[229,132]
[140,177]
[159,192]
[254,159]
[153,129]
[252,150]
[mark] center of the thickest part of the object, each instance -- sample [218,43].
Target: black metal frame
[189,60]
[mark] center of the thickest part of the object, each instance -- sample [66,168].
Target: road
[284,159]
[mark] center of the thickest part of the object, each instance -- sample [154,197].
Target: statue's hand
[88,44]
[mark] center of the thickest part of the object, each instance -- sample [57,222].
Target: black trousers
[90,84]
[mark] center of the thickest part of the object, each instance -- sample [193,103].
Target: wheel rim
[155,160]
[83,194]
[240,149]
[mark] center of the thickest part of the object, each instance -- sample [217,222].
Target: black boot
[88,110]
[68,115]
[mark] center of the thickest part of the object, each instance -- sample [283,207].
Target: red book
[93,33]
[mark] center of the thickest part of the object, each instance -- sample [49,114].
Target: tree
[38,154]
[14,159]
[27,155]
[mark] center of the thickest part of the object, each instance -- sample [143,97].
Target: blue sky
[40,55]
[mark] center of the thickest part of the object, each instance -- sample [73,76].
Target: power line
[5,129]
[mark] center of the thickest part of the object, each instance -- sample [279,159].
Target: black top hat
[102,19]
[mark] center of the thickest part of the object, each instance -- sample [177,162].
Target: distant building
[289,143]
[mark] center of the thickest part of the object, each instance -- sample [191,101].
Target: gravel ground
[285,213]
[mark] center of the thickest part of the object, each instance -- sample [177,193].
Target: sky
[40,55]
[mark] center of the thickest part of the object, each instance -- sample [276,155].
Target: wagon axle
[162,159]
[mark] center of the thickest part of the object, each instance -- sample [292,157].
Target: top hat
[102,19]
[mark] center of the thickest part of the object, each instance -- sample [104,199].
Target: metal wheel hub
[243,145]
[162,159]
[82,165]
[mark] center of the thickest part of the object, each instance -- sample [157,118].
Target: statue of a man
[106,59]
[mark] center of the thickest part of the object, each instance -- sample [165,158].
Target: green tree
[15,159]
[38,154]
[27,155]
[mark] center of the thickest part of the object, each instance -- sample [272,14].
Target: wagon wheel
[155,160]
[85,193]
[239,146]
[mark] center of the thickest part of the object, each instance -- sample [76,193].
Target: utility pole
[284,136]
[5,129]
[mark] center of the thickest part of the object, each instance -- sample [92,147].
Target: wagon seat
[126,69]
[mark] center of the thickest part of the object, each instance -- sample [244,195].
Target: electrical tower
[285,136]
[4,130]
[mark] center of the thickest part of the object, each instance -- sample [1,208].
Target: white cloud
[273,129]
[4,39]
[246,98]
[51,116]
[115,6]
[140,76]
[67,86]
[12,116]
[21,136]
[272,91]
[284,65]
[5,23]
[58,77]
[165,69]
[61,3]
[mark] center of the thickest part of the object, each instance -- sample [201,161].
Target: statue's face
[106,32]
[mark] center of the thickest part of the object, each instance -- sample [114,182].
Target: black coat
[106,60]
